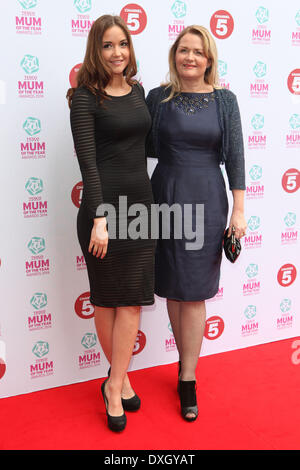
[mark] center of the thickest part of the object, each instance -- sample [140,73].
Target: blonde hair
[210,52]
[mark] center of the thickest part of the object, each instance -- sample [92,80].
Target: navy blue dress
[188,172]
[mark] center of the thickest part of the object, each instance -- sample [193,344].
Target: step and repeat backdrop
[47,333]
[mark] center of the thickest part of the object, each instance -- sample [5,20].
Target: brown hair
[94,73]
[210,52]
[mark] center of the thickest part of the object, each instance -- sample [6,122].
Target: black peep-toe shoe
[130,404]
[188,399]
[115,423]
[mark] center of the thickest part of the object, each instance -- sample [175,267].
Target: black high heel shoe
[188,399]
[130,404]
[115,423]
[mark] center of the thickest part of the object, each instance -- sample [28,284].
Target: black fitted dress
[188,172]
[110,144]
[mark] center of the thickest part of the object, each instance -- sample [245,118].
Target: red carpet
[248,399]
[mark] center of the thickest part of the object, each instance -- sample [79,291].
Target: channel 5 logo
[83,307]
[214,327]
[140,343]
[286,275]
[135,17]
[221,24]
[293,82]
[291,180]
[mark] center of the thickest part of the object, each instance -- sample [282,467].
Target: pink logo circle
[286,275]
[83,307]
[139,343]
[214,327]
[291,180]
[293,82]
[76,194]
[135,17]
[72,75]
[221,24]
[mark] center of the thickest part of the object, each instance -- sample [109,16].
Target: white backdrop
[46,322]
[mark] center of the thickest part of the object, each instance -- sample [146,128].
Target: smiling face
[190,61]
[115,50]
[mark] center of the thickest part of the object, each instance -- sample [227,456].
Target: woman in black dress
[110,121]
[195,126]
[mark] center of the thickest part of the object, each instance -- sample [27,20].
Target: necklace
[192,104]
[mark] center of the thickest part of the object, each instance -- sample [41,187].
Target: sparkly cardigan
[232,149]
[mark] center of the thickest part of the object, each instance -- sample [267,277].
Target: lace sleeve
[150,147]
[235,162]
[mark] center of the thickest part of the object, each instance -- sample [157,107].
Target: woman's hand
[99,238]
[237,221]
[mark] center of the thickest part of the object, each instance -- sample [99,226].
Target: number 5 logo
[294,82]
[83,307]
[286,275]
[76,194]
[139,343]
[135,18]
[291,180]
[214,327]
[221,24]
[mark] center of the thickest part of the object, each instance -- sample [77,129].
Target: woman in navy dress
[195,127]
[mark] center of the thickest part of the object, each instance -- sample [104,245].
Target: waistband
[212,164]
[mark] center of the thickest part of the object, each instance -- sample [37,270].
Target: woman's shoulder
[159,90]
[82,91]
[82,96]
[156,95]
[226,94]
[137,85]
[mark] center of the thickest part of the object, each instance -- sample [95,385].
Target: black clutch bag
[232,246]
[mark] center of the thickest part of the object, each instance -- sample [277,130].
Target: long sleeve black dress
[109,141]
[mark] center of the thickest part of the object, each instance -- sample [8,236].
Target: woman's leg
[192,325]
[124,335]
[104,323]
[173,307]
[188,323]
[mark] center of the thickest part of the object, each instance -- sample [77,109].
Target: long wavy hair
[94,74]
[210,52]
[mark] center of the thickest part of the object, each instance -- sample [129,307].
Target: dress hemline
[186,300]
[126,304]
